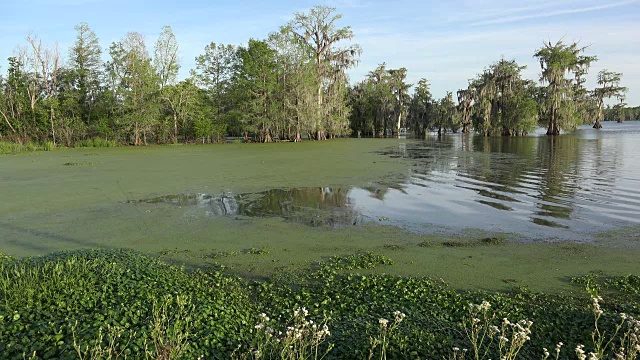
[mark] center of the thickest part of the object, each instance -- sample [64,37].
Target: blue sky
[447,42]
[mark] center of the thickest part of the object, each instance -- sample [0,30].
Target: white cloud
[508,19]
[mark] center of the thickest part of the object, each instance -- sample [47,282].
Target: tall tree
[557,61]
[135,85]
[215,71]
[7,100]
[165,57]
[489,99]
[297,84]
[400,89]
[318,30]
[86,69]
[447,116]
[381,92]
[181,100]
[609,87]
[421,108]
[47,65]
[465,106]
[257,82]
[20,96]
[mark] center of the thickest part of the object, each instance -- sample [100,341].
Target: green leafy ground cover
[48,302]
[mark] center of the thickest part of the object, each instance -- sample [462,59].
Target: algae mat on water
[47,206]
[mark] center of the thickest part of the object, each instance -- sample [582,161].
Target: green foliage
[499,101]
[256,251]
[95,143]
[560,94]
[622,114]
[48,146]
[80,163]
[294,82]
[465,243]
[492,241]
[380,102]
[356,261]
[105,289]
[116,301]
[16,148]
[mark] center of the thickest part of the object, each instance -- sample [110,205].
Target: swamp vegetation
[121,303]
[201,251]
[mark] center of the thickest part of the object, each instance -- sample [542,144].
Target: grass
[10,148]
[95,143]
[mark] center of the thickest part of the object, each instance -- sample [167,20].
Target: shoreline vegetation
[291,85]
[108,304]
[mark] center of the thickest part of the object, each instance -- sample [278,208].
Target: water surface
[535,188]
[538,187]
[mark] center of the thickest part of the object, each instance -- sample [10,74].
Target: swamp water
[424,204]
[534,188]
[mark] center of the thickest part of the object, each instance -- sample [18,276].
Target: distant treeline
[622,113]
[289,86]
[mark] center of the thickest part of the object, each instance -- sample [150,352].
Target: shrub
[95,143]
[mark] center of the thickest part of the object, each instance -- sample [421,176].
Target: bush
[95,143]
[16,148]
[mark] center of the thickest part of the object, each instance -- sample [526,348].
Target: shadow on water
[46,236]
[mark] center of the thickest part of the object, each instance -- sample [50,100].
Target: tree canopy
[291,85]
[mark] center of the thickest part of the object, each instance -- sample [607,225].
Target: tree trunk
[53,131]
[597,125]
[267,136]
[7,121]
[136,141]
[175,128]
[553,122]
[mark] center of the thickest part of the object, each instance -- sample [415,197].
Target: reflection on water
[538,187]
[310,206]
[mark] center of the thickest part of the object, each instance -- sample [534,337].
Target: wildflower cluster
[302,339]
[627,333]
[458,354]
[629,347]
[385,332]
[546,354]
[482,334]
